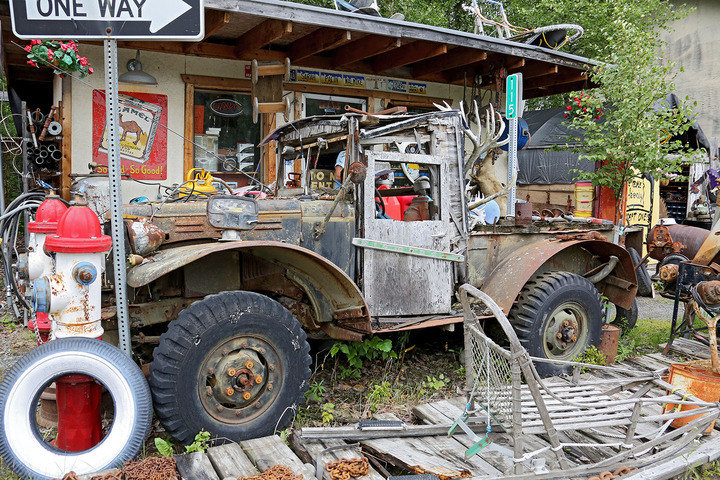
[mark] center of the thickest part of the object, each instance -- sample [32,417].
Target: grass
[644,338]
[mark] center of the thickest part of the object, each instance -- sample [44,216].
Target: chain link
[277,472]
[346,468]
[623,470]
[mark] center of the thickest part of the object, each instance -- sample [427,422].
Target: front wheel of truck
[235,364]
[557,316]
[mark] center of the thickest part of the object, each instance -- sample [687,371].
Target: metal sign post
[513,108]
[181,20]
[112,114]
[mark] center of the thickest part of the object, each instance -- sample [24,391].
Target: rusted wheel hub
[239,379]
[565,331]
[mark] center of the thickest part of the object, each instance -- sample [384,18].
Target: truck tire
[626,319]
[21,445]
[235,364]
[643,277]
[552,304]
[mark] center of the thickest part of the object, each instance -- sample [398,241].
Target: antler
[485,139]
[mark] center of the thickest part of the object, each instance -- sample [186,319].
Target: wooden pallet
[249,457]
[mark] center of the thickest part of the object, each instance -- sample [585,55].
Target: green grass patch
[644,338]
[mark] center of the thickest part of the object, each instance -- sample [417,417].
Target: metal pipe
[606,270]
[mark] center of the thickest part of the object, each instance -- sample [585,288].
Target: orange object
[695,380]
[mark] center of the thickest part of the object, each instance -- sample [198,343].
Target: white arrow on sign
[158,12]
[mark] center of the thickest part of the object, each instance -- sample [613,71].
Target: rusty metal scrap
[346,468]
[608,475]
[669,272]
[277,472]
[150,468]
[709,292]
[589,235]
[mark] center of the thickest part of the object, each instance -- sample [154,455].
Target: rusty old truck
[225,290]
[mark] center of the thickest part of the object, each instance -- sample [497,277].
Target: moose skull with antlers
[481,161]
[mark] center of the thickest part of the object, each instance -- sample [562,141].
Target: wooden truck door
[407,266]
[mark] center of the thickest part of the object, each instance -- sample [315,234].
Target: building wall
[694,45]
[167,69]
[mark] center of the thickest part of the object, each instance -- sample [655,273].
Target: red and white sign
[143,141]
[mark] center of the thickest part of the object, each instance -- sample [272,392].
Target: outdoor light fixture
[135,73]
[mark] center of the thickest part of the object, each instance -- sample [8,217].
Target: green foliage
[631,138]
[316,391]
[378,394]
[355,352]
[327,413]
[164,447]
[592,356]
[201,443]
[435,384]
[647,335]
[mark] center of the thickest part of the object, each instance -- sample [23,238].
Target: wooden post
[65,110]
[188,147]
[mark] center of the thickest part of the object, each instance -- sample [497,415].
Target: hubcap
[239,379]
[566,331]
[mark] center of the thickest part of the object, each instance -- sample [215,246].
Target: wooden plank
[320,40]
[222,83]
[308,451]
[271,30]
[188,147]
[269,451]
[214,21]
[457,57]
[204,49]
[229,460]
[407,54]
[65,115]
[195,466]
[363,48]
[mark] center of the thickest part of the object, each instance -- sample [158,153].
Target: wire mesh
[489,367]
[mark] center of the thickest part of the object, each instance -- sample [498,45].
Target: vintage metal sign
[100,19]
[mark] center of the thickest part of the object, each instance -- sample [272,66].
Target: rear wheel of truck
[235,364]
[557,316]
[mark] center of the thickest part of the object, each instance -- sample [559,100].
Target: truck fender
[333,294]
[513,272]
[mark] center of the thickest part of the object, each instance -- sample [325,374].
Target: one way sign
[101,19]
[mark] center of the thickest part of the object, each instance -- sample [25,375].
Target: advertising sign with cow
[143,141]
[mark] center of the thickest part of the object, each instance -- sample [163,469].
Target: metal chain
[277,472]
[346,468]
[623,470]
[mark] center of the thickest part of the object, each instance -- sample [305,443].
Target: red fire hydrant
[36,262]
[72,296]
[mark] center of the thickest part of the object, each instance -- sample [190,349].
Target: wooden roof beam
[407,54]
[363,48]
[537,70]
[214,21]
[265,33]
[318,41]
[457,57]
[203,49]
[572,76]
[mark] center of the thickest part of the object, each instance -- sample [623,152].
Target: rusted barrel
[609,339]
[696,379]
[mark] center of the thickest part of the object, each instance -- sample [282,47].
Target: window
[225,131]
[314,104]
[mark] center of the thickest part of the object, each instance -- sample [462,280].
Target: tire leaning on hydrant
[21,445]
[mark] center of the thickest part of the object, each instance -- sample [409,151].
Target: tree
[627,129]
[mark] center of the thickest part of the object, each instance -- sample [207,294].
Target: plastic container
[696,379]
[584,195]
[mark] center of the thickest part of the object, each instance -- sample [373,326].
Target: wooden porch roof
[314,37]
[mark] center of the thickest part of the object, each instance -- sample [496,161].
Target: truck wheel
[643,277]
[626,319]
[558,315]
[235,364]
[22,446]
